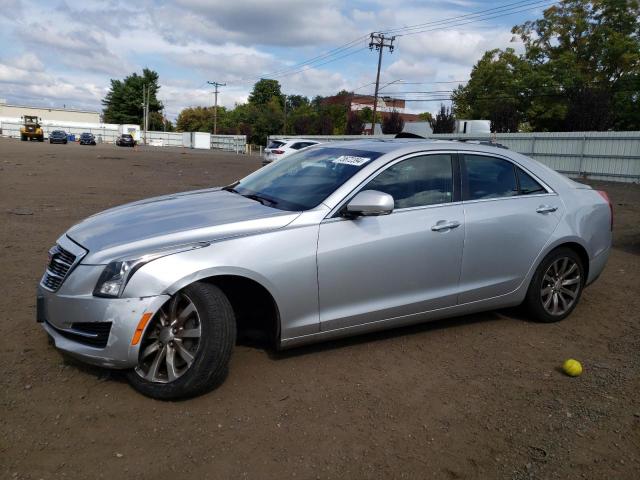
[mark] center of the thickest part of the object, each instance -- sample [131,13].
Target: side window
[489,177]
[417,181]
[296,146]
[528,186]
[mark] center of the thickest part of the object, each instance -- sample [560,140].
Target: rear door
[509,217]
[384,267]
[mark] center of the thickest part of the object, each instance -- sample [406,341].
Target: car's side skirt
[508,300]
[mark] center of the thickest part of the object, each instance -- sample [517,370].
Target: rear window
[275,144]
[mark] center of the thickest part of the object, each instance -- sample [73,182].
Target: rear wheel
[187,346]
[23,138]
[556,286]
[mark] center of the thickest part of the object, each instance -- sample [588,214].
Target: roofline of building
[57,109]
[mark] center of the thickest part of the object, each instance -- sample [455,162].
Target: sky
[64,53]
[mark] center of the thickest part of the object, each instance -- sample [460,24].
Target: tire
[23,138]
[558,282]
[213,320]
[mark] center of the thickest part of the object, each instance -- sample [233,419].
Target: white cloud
[68,51]
[277,22]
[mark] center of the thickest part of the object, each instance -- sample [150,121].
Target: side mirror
[369,203]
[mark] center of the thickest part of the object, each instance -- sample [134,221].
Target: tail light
[277,152]
[604,195]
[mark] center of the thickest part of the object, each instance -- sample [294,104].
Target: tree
[296,101]
[425,116]
[504,118]
[444,121]
[591,51]
[158,122]
[123,102]
[580,71]
[355,125]
[392,123]
[195,119]
[495,90]
[264,90]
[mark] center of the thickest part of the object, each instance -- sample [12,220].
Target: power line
[490,11]
[540,4]
[322,56]
[496,12]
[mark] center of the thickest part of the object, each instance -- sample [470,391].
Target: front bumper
[59,311]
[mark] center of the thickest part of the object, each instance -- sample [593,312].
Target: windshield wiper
[229,188]
[261,199]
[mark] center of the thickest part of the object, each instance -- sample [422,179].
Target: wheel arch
[576,246]
[254,304]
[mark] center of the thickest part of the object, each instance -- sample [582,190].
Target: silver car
[336,240]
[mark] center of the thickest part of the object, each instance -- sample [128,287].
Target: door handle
[546,209]
[444,225]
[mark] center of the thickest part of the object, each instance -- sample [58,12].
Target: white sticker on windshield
[350,160]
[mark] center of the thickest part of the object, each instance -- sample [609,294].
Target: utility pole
[144,113]
[285,116]
[215,105]
[379,42]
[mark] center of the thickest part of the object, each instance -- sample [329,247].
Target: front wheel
[556,286]
[187,346]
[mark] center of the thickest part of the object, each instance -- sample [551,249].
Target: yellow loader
[31,130]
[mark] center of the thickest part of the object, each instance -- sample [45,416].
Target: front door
[377,268]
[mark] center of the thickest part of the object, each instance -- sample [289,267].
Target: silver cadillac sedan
[336,240]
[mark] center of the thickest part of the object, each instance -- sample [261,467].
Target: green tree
[392,123]
[195,119]
[123,102]
[495,91]
[355,124]
[591,52]
[580,71]
[425,116]
[444,121]
[264,90]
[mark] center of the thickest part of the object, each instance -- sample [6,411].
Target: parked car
[125,140]
[336,240]
[279,149]
[58,136]
[87,139]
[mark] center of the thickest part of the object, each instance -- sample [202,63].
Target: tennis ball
[572,367]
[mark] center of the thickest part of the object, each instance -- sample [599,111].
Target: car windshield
[303,180]
[126,137]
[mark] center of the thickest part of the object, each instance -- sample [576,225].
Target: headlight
[116,275]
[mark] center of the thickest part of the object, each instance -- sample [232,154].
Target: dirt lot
[473,397]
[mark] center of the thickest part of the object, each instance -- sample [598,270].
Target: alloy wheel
[171,343]
[561,284]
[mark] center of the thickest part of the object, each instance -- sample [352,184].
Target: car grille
[60,264]
[93,334]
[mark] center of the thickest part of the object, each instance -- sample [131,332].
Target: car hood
[199,216]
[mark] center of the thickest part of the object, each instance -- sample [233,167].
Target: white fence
[229,143]
[595,155]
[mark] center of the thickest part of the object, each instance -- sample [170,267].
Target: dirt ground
[474,397]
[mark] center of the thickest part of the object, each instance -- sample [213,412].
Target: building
[48,115]
[385,106]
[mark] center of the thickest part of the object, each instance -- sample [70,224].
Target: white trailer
[474,127]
